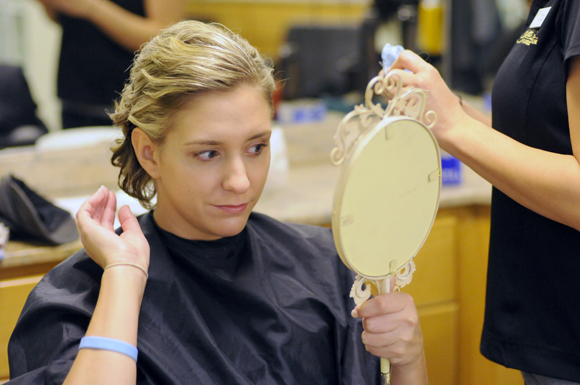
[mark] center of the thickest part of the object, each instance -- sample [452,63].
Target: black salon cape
[281,317]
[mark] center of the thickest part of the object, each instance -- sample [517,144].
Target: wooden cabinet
[13,294]
[434,289]
[439,325]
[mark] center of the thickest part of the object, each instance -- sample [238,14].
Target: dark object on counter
[19,125]
[318,60]
[31,217]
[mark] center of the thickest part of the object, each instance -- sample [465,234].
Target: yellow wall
[264,23]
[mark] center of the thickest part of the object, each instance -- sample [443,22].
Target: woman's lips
[231,209]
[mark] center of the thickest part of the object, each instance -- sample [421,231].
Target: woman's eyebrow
[210,142]
[260,134]
[203,142]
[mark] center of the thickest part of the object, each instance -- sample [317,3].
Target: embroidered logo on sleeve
[529,38]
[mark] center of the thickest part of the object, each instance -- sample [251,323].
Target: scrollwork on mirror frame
[410,102]
[360,294]
[402,278]
[405,275]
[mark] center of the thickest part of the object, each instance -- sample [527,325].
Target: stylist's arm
[122,26]
[125,260]
[545,182]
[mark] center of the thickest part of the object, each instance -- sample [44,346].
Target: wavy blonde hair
[187,59]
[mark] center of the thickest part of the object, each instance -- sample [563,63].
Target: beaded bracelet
[111,344]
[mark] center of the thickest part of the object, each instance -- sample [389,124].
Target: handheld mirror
[387,194]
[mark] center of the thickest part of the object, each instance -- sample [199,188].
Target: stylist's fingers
[441,100]
[421,75]
[409,60]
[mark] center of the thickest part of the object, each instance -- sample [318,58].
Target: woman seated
[207,290]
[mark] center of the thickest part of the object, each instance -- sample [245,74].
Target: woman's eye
[257,149]
[206,155]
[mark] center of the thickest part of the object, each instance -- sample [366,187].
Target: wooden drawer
[435,280]
[440,336]
[13,294]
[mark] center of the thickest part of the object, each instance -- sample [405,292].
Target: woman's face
[213,164]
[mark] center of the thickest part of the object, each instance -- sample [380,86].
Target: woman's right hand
[116,313]
[95,221]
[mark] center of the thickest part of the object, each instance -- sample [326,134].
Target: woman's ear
[145,150]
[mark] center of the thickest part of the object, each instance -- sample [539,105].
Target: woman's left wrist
[414,372]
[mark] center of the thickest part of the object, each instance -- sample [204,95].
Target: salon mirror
[387,194]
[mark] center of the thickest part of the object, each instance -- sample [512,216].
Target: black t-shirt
[93,68]
[268,306]
[532,318]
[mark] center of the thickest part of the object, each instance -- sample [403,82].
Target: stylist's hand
[95,220]
[440,99]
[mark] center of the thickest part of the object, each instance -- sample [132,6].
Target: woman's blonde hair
[185,60]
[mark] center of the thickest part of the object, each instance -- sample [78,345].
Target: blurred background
[324,49]
[324,52]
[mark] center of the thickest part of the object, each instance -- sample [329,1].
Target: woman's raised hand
[95,221]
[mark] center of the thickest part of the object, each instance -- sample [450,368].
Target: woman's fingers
[401,314]
[95,222]
[127,219]
[392,328]
[399,347]
[133,233]
[389,303]
[109,210]
[129,222]
[95,219]
[90,210]
[99,209]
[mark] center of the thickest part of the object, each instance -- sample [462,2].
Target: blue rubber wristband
[104,343]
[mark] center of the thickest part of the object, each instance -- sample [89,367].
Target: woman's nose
[236,177]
